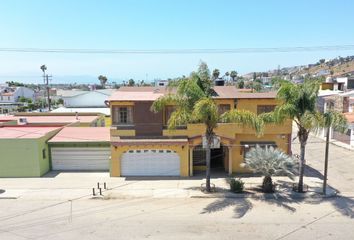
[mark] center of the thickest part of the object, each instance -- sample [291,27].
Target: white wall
[7,99]
[24,92]
[89,99]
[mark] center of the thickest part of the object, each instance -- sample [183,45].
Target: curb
[265,196]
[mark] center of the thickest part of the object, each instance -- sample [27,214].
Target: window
[168,112]
[265,108]
[44,155]
[223,108]
[330,105]
[122,115]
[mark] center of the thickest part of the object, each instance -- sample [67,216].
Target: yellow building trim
[122,132]
[121,103]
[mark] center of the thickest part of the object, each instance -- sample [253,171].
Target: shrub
[236,185]
[270,162]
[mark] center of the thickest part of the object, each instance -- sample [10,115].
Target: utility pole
[326,163]
[46,82]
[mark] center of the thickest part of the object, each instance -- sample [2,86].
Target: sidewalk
[192,189]
[68,186]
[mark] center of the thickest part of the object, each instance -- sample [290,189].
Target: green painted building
[24,150]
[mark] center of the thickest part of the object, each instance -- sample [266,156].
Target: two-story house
[9,97]
[143,146]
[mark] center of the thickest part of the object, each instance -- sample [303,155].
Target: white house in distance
[12,94]
[9,97]
[84,99]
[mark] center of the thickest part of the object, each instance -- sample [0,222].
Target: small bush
[236,185]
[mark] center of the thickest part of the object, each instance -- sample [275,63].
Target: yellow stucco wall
[229,130]
[326,86]
[181,150]
[251,104]
[107,121]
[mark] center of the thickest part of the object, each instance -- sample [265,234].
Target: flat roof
[82,134]
[135,96]
[26,132]
[257,95]
[52,119]
[103,110]
[136,142]
[153,93]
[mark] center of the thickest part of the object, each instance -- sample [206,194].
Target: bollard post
[93,192]
[98,185]
[101,191]
[104,185]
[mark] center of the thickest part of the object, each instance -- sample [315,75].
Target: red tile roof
[82,134]
[25,132]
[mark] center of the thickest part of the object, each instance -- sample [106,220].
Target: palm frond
[336,120]
[270,161]
[312,121]
[169,99]
[179,117]
[244,117]
[206,111]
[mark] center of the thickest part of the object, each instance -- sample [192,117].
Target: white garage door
[89,159]
[150,163]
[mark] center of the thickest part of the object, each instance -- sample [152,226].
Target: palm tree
[227,74]
[299,105]
[103,79]
[131,82]
[270,161]
[338,122]
[216,74]
[195,105]
[233,75]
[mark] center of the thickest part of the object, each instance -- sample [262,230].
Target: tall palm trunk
[303,136]
[326,162]
[300,187]
[209,138]
[207,183]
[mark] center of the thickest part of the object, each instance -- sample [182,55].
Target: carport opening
[218,158]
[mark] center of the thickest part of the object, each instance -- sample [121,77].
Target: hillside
[338,70]
[337,67]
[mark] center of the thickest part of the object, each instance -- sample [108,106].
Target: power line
[181,51]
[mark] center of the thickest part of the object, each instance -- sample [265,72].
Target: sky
[158,24]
